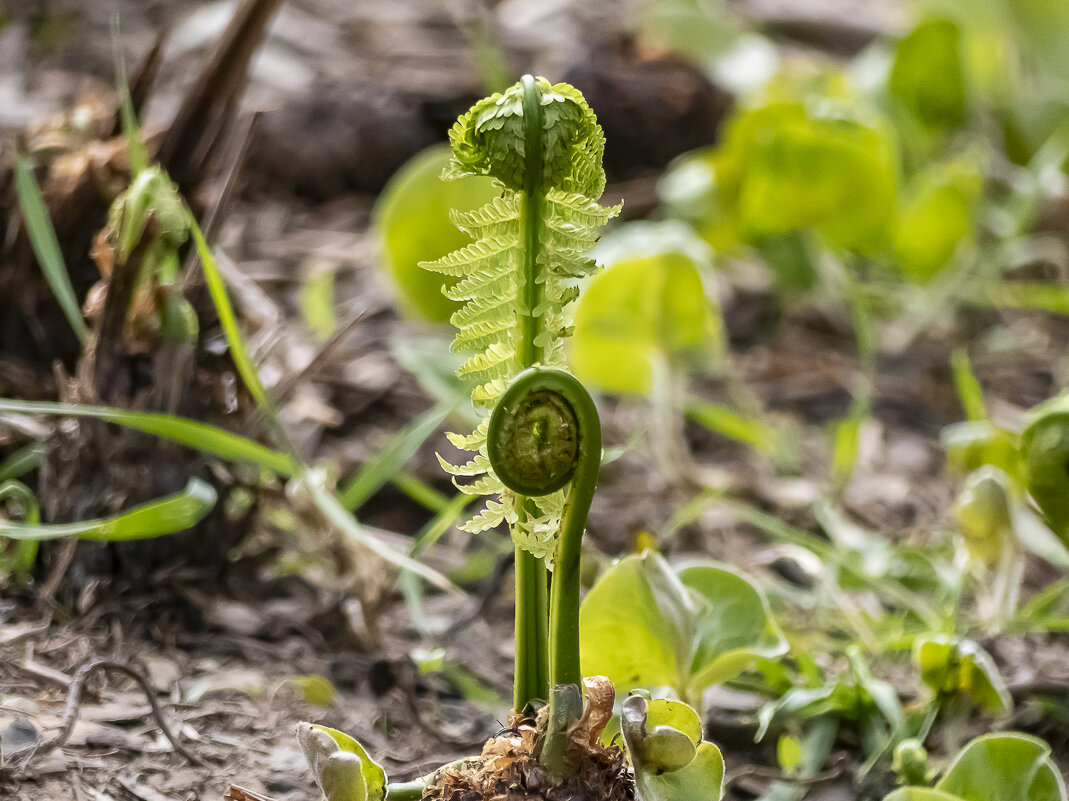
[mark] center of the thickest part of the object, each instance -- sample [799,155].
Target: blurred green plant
[644,624]
[995,767]
[807,154]
[857,698]
[414,222]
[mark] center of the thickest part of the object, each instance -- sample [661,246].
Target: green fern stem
[545,433]
[532,605]
[531,219]
[531,681]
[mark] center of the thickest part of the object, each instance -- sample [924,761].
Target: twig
[74,702]
[837,769]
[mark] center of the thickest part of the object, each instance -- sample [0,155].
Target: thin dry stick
[837,769]
[74,703]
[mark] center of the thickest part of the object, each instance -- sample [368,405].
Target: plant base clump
[508,770]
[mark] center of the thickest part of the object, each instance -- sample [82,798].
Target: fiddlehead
[545,432]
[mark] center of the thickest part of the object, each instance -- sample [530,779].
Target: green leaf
[643,626]
[313,689]
[22,461]
[808,702]
[733,626]
[789,753]
[937,217]
[671,761]
[45,245]
[846,441]
[927,76]
[1029,295]
[1037,537]
[168,515]
[919,794]
[637,311]
[1004,767]
[412,223]
[821,162]
[982,514]
[20,558]
[628,633]
[756,433]
[1045,447]
[213,278]
[859,697]
[199,436]
[341,766]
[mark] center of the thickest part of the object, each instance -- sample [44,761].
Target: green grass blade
[420,491]
[1028,295]
[45,244]
[131,129]
[722,420]
[384,465]
[199,436]
[167,515]
[229,321]
[326,500]
[440,523]
[332,509]
[968,387]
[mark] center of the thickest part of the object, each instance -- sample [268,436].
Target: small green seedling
[645,324]
[341,766]
[971,445]
[803,157]
[646,625]
[992,514]
[670,759]
[984,515]
[647,316]
[149,222]
[995,767]
[17,558]
[910,762]
[413,223]
[858,698]
[960,675]
[954,669]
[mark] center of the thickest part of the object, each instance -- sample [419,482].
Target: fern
[518,277]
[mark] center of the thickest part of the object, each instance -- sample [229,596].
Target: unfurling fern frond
[519,276]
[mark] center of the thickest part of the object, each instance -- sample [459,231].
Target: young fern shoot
[543,146]
[519,276]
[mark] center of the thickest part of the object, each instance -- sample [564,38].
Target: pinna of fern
[518,277]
